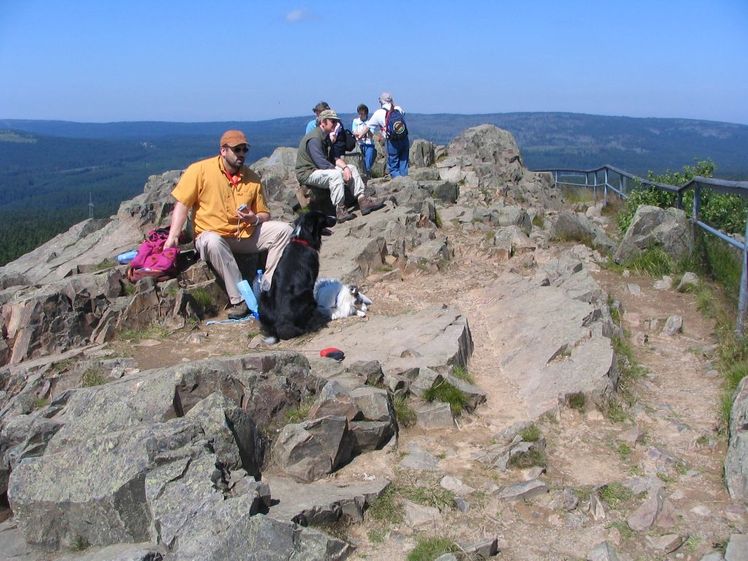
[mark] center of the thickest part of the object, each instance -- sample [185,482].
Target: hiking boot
[238,311]
[342,214]
[367,205]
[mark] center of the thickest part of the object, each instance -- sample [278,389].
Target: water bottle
[126,257]
[246,291]
[257,284]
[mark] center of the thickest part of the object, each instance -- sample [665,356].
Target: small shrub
[538,221]
[577,401]
[429,548]
[404,413]
[533,457]
[447,393]
[530,434]
[93,376]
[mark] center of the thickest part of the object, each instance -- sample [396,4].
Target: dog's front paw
[361,313]
[270,340]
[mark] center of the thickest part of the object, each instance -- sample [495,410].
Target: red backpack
[152,260]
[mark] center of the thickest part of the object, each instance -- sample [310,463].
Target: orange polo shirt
[206,190]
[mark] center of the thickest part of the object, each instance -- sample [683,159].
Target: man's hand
[247,216]
[347,174]
[171,241]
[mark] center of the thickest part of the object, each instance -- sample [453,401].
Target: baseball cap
[233,138]
[328,114]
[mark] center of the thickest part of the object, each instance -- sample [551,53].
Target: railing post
[605,189]
[696,202]
[743,298]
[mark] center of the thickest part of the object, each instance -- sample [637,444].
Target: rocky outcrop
[486,162]
[559,345]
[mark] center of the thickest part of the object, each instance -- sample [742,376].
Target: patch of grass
[429,548]
[157,332]
[202,297]
[615,311]
[447,393]
[385,509]
[624,450]
[377,535]
[523,460]
[40,402]
[530,434]
[615,412]
[614,494]
[691,543]
[404,413]
[629,369]
[667,478]
[576,195]
[538,221]
[577,401]
[438,219]
[128,288]
[462,373]
[62,365]
[80,543]
[428,495]
[105,264]
[654,262]
[93,376]
[733,364]
[300,412]
[623,529]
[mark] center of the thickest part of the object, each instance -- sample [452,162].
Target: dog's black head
[311,226]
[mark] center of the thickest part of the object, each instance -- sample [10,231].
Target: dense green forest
[49,169]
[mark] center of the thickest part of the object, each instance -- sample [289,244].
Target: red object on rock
[333,353]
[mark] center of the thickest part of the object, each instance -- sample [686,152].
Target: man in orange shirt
[230,215]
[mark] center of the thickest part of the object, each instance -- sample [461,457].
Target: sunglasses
[241,149]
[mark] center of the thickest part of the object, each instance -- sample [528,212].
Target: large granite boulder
[651,226]
[736,461]
[152,450]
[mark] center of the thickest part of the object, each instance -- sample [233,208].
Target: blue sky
[188,60]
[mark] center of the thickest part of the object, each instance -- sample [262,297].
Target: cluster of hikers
[227,202]
[320,159]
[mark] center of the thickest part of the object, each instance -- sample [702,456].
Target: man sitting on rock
[230,215]
[314,170]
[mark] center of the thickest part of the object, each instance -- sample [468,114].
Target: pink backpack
[152,260]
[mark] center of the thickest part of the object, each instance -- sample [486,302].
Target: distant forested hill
[48,169]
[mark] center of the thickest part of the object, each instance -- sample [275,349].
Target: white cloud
[298,15]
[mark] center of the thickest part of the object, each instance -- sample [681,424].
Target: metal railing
[609,178]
